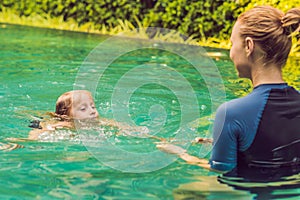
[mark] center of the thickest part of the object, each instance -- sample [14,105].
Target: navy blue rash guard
[243,125]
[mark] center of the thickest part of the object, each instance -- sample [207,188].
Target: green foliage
[99,12]
[208,21]
[202,19]
[280,4]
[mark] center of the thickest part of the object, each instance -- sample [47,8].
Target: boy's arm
[48,127]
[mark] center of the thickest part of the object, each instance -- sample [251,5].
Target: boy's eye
[83,109]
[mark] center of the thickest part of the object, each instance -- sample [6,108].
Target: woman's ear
[249,45]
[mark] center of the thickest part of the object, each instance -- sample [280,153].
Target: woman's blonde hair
[271,29]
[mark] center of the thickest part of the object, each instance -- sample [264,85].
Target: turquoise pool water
[37,65]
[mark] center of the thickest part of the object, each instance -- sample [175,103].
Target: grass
[124,28]
[8,16]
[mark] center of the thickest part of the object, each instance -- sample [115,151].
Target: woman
[262,129]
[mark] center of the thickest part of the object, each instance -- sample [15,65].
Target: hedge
[198,18]
[100,12]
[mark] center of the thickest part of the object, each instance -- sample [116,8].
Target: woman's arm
[182,153]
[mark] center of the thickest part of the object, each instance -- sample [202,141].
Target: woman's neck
[266,75]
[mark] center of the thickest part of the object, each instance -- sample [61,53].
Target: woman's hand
[171,148]
[182,153]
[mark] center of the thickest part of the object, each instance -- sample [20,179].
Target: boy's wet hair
[65,102]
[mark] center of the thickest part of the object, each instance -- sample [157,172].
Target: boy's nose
[93,112]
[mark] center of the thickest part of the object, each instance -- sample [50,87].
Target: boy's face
[83,107]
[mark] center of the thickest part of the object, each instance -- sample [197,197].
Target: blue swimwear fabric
[236,125]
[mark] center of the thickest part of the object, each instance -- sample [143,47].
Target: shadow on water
[222,187]
[285,187]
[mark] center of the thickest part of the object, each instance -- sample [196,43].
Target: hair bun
[291,21]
